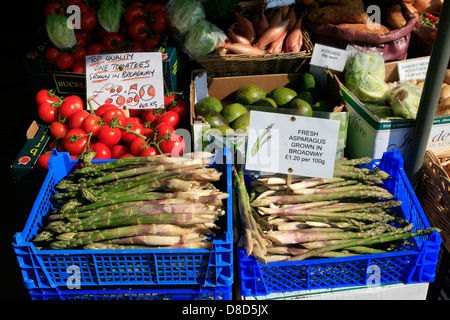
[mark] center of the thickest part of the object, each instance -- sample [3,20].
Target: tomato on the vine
[149,129]
[138,145]
[118,150]
[134,126]
[112,41]
[138,29]
[169,98]
[163,131]
[181,107]
[45,95]
[70,105]
[64,61]
[175,145]
[79,66]
[151,115]
[54,7]
[109,136]
[58,129]
[75,141]
[171,118]
[77,118]
[88,21]
[112,113]
[100,111]
[42,161]
[48,112]
[152,43]
[102,150]
[160,23]
[95,48]
[92,124]
[133,13]
[79,54]
[149,152]
[51,54]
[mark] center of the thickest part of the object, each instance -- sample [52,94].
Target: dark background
[20,24]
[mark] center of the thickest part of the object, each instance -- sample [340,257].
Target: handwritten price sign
[134,80]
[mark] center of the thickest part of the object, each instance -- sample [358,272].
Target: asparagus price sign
[134,80]
[291,144]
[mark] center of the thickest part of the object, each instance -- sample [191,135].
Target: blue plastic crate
[58,268]
[416,265]
[203,293]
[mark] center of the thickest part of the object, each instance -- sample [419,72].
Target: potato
[395,17]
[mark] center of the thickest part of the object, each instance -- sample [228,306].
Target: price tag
[290,144]
[134,80]
[413,69]
[329,57]
[279,3]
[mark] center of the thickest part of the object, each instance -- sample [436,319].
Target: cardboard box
[224,88]
[28,178]
[369,136]
[44,74]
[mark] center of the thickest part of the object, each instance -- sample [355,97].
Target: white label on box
[132,79]
[290,144]
[279,3]
[329,57]
[413,69]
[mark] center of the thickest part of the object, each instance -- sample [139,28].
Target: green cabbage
[364,76]
[404,99]
[183,15]
[58,31]
[202,39]
[110,14]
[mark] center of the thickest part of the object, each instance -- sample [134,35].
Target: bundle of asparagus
[300,217]
[136,202]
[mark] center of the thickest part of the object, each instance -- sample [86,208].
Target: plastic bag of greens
[183,15]
[202,39]
[364,75]
[58,31]
[404,99]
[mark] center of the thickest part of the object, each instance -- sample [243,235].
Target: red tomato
[152,115]
[161,23]
[149,129]
[76,119]
[132,13]
[45,95]
[113,41]
[112,113]
[138,145]
[138,29]
[102,150]
[169,98]
[171,118]
[70,105]
[150,151]
[48,112]
[58,129]
[126,155]
[136,127]
[79,54]
[42,161]
[54,7]
[51,54]
[155,7]
[163,130]
[79,66]
[136,46]
[181,107]
[95,48]
[64,61]
[109,136]
[88,21]
[118,150]
[92,124]
[102,109]
[152,43]
[75,141]
[175,145]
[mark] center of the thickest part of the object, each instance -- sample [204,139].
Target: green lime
[265,102]
[303,107]
[282,95]
[242,122]
[214,118]
[233,111]
[249,93]
[322,105]
[307,96]
[209,103]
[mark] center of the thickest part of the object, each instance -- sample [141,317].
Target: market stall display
[159,200]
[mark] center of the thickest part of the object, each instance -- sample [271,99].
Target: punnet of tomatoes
[109,131]
[140,26]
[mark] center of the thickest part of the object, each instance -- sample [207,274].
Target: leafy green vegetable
[404,99]
[220,9]
[58,32]
[110,14]
[184,14]
[202,39]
